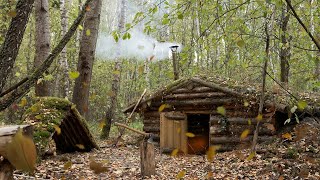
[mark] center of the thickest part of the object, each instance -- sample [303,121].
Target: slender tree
[86,57]
[62,76]
[110,113]
[42,42]
[285,48]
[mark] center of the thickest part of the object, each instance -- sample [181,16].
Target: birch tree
[86,57]
[42,42]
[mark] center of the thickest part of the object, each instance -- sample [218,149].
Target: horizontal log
[214,131]
[151,128]
[175,115]
[226,139]
[151,121]
[195,90]
[196,95]
[196,102]
[149,114]
[237,120]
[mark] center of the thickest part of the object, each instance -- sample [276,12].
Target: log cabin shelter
[189,107]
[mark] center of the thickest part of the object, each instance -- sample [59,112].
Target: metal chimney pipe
[174,61]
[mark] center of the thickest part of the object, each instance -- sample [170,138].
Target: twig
[129,117]
[302,24]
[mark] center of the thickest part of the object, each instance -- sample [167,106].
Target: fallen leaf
[80,146]
[189,134]
[57,128]
[97,167]
[269,126]
[21,152]
[259,117]
[67,165]
[102,124]
[212,151]
[12,13]
[163,106]
[251,155]
[244,134]
[221,110]
[287,136]
[175,152]
[181,174]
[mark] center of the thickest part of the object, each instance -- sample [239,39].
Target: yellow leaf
[302,105]
[189,134]
[212,151]
[210,175]
[221,110]
[181,174]
[58,130]
[111,93]
[251,155]
[163,106]
[287,136]
[244,134]
[259,117]
[101,124]
[12,13]
[23,102]
[269,126]
[116,72]
[97,167]
[67,165]
[246,103]
[34,108]
[178,130]
[21,152]
[80,27]
[74,74]
[249,122]
[80,146]
[174,152]
[88,32]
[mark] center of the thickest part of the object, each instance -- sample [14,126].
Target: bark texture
[42,42]
[285,49]
[10,47]
[86,58]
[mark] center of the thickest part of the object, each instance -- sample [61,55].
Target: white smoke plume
[139,46]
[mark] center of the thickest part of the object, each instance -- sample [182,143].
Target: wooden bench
[6,135]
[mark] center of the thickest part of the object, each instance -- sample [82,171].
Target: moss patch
[46,114]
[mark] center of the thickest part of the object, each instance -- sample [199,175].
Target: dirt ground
[282,159]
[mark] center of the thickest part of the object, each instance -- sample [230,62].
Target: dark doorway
[198,124]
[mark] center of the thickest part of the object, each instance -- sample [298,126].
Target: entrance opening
[198,124]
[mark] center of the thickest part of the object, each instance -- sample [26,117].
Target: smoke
[139,46]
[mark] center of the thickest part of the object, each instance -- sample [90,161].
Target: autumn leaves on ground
[290,156]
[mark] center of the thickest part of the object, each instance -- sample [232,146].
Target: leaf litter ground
[283,159]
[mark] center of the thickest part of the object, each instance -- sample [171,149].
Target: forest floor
[282,159]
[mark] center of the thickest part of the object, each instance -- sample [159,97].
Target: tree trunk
[10,47]
[62,81]
[42,42]
[110,113]
[285,48]
[86,58]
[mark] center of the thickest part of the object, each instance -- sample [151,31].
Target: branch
[23,87]
[301,23]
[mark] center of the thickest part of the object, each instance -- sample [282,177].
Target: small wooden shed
[190,105]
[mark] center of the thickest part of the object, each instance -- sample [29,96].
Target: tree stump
[147,159]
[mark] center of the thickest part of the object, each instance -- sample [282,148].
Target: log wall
[196,99]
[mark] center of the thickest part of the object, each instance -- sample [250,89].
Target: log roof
[234,88]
